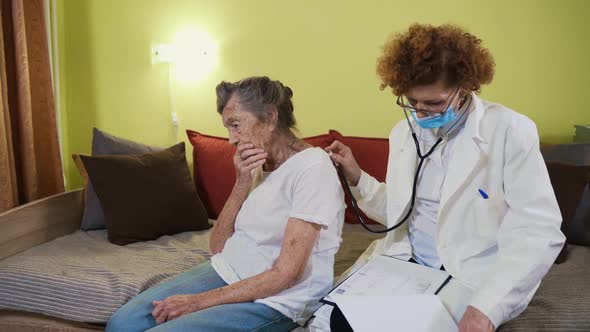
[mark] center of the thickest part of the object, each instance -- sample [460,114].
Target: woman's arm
[246,159]
[224,226]
[298,242]
[300,237]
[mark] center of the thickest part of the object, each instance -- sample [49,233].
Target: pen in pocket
[483,194]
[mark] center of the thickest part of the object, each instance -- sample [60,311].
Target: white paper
[387,276]
[416,313]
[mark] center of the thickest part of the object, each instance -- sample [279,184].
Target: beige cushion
[20,321]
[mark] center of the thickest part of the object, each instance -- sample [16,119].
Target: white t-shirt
[305,187]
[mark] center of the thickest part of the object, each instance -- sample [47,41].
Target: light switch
[162,53]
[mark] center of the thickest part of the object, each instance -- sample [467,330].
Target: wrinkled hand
[246,159]
[342,155]
[174,306]
[474,320]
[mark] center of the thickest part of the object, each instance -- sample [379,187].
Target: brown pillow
[146,196]
[568,183]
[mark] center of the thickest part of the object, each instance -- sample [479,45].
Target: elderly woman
[275,240]
[465,173]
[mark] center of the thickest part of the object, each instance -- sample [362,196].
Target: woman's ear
[273,117]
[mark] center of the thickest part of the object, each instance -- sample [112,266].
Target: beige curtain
[30,162]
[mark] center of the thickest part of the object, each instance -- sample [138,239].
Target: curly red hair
[425,54]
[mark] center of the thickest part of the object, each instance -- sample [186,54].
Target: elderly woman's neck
[280,148]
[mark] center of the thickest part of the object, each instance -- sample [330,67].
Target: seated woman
[274,241]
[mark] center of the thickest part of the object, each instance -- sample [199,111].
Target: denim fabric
[136,315]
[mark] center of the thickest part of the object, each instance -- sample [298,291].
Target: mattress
[192,244]
[562,303]
[83,277]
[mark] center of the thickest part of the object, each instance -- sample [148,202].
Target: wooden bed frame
[40,221]
[27,226]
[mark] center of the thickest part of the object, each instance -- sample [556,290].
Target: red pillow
[322,141]
[214,173]
[371,154]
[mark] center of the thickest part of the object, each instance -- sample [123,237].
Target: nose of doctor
[424,114]
[421,114]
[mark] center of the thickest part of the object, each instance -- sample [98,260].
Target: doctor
[484,208]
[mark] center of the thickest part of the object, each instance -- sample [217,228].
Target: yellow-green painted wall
[324,49]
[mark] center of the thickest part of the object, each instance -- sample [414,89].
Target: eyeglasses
[428,107]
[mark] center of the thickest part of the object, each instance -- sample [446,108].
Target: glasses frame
[428,113]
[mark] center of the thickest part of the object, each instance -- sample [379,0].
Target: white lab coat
[499,247]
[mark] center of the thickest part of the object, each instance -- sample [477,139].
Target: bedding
[83,277]
[561,303]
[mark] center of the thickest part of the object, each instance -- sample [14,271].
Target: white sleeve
[318,196]
[529,238]
[371,196]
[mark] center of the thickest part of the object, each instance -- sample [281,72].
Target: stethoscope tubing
[414,186]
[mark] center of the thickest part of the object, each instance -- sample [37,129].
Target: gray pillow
[105,144]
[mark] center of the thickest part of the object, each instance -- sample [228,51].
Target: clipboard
[389,276]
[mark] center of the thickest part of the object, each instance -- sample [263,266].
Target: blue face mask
[435,121]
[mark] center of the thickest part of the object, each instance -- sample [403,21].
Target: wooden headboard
[40,221]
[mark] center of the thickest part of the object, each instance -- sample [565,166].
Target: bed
[41,240]
[40,229]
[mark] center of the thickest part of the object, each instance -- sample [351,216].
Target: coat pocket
[487,212]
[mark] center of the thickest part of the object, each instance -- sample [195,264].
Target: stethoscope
[416,175]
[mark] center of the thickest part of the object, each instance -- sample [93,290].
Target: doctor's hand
[246,159]
[474,320]
[342,155]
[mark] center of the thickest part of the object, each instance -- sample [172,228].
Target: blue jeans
[136,315]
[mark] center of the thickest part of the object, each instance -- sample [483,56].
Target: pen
[443,285]
[483,194]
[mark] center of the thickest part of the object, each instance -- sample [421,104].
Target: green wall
[324,50]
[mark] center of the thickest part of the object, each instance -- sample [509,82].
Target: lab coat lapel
[408,161]
[468,156]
